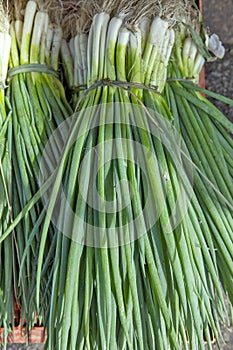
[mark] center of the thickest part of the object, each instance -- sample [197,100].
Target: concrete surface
[218,15]
[219,78]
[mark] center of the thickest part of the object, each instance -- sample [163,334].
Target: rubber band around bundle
[31,68]
[114,83]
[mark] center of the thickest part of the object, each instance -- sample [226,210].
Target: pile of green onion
[116,175]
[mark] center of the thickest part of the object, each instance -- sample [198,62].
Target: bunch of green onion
[7,247]
[38,105]
[162,289]
[132,243]
[207,134]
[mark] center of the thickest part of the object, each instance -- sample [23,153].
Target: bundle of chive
[130,253]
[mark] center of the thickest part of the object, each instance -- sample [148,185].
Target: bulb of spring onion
[94,58]
[49,39]
[159,75]
[56,45]
[44,39]
[112,35]
[135,53]
[5,45]
[29,16]
[36,37]
[189,60]
[83,51]
[67,62]
[19,31]
[71,46]
[166,57]
[198,64]
[144,26]
[153,48]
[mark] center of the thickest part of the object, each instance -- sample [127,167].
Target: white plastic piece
[215,46]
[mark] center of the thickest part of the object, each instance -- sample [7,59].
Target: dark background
[218,16]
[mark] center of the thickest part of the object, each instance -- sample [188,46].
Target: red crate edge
[19,335]
[202,74]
